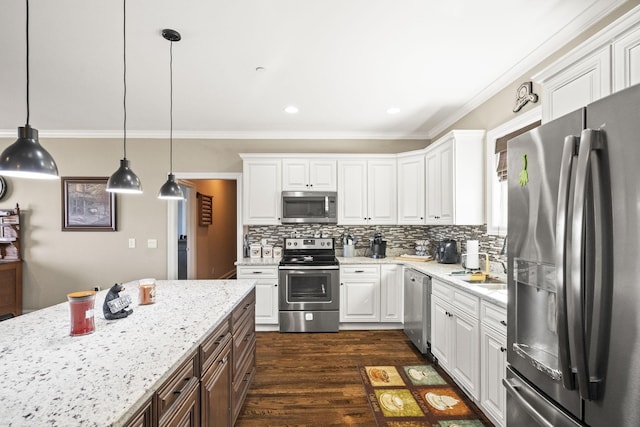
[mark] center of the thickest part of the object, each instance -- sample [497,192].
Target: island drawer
[177,385]
[244,343]
[246,306]
[241,385]
[213,345]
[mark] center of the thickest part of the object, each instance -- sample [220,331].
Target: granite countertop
[432,268]
[50,378]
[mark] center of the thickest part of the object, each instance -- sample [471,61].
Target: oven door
[309,288]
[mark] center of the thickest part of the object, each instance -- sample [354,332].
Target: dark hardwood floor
[312,379]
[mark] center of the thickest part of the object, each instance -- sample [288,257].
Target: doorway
[211,249]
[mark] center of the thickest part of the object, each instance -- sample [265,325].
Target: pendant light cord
[27,26]
[124,99]
[171,107]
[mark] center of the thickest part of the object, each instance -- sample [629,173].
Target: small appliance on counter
[447,252]
[378,246]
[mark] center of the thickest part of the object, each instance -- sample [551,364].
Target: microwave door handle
[326,206]
[561,249]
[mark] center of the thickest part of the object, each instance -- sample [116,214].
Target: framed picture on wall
[86,204]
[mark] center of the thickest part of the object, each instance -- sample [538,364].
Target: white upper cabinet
[367,191]
[582,83]
[309,175]
[626,60]
[607,62]
[262,188]
[454,172]
[411,184]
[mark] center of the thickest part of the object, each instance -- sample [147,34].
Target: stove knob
[295,243]
[321,243]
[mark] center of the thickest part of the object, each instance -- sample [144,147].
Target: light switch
[152,243]
[132,243]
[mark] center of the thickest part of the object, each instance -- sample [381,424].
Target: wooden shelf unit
[10,263]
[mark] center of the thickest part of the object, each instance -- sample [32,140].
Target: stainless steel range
[309,277]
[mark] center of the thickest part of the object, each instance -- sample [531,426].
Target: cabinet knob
[503,323]
[502,349]
[276,285]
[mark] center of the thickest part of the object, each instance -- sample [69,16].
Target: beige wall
[216,243]
[57,262]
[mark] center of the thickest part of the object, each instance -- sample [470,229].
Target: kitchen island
[102,379]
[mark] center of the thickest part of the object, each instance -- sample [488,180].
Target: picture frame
[86,204]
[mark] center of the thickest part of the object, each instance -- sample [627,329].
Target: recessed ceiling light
[291,109]
[393,110]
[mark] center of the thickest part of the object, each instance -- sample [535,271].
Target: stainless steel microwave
[299,207]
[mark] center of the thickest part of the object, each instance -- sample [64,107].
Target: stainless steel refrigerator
[574,268]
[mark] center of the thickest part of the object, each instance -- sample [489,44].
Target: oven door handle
[309,267]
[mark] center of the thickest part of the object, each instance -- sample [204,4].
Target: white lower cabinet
[360,293]
[266,292]
[455,335]
[392,293]
[493,356]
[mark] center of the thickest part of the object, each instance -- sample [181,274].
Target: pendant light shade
[170,190]
[26,158]
[124,180]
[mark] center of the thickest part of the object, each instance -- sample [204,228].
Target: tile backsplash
[400,238]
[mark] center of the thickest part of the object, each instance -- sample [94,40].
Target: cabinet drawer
[494,316]
[469,304]
[442,290]
[212,346]
[244,344]
[355,271]
[257,272]
[241,385]
[174,387]
[247,305]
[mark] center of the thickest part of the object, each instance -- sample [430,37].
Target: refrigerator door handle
[512,387]
[561,247]
[590,157]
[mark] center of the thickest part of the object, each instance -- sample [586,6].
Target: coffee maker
[378,246]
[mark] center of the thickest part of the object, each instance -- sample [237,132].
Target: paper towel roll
[473,260]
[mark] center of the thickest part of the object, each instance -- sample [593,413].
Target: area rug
[417,395]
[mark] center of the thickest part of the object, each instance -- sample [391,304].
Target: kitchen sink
[491,286]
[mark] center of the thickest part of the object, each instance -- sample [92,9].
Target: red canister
[81,312]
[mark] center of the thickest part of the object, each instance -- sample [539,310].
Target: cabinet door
[578,85]
[493,396]
[391,291]
[262,191]
[439,185]
[466,352]
[352,192]
[216,392]
[295,175]
[322,175]
[143,417]
[626,60]
[267,302]
[360,300]
[382,192]
[411,183]
[441,331]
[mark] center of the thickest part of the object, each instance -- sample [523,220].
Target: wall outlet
[132,243]
[152,243]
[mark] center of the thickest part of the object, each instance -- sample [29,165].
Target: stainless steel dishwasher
[417,309]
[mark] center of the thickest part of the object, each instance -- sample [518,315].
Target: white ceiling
[343,63]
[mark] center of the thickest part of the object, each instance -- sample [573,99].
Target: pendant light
[26,158]
[124,180]
[170,190]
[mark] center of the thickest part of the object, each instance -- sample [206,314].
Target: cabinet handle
[359,271]
[502,349]
[256,272]
[220,338]
[503,323]
[224,360]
